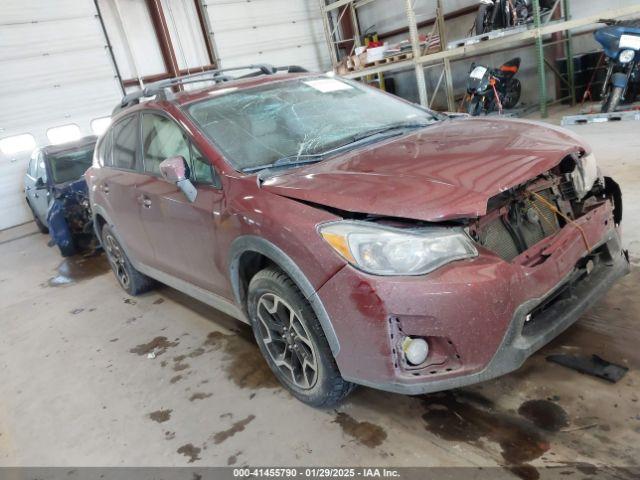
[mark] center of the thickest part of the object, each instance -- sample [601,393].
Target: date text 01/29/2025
[315,472]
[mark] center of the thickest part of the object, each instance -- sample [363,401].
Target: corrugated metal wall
[55,71]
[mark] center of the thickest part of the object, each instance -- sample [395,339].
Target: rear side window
[103,150]
[125,142]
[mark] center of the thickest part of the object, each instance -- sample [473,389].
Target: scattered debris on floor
[157,346]
[594,365]
[190,451]
[160,416]
[238,426]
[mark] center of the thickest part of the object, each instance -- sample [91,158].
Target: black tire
[512,96]
[474,106]
[132,281]
[299,342]
[41,226]
[68,250]
[481,19]
[613,100]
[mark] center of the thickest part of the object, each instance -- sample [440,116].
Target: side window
[161,139]
[33,163]
[125,142]
[41,169]
[201,170]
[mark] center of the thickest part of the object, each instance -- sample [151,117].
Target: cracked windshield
[301,121]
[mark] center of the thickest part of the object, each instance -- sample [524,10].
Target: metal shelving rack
[537,34]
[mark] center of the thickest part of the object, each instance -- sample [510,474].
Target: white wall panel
[55,71]
[186,33]
[279,32]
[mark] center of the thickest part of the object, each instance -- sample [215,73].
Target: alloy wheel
[287,341]
[117,260]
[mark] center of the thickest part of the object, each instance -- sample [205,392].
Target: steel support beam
[415,46]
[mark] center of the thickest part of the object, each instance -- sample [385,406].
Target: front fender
[252,243]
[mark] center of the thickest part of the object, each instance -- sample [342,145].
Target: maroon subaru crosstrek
[365,239]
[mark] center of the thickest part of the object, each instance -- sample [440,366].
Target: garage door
[279,32]
[55,71]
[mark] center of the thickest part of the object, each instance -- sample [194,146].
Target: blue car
[56,193]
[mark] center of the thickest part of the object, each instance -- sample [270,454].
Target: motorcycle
[497,14]
[620,41]
[489,90]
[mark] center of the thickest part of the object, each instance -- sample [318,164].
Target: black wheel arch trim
[251,243]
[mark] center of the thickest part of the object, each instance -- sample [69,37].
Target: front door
[40,190]
[183,234]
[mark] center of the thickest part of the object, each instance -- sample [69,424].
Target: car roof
[69,146]
[190,96]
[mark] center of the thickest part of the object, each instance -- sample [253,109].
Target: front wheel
[42,228]
[613,100]
[292,341]
[474,106]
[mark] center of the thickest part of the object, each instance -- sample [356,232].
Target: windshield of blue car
[70,165]
[298,119]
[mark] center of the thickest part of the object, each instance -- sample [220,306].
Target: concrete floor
[77,386]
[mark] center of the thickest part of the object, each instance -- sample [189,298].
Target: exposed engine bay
[519,218]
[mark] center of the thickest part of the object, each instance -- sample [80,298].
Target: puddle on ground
[544,414]
[233,459]
[366,433]
[80,267]
[199,396]
[160,415]
[158,345]
[190,451]
[238,426]
[175,378]
[454,419]
[245,366]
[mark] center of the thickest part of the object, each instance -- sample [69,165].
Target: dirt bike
[490,90]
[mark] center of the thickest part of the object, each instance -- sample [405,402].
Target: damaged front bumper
[482,318]
[69,218]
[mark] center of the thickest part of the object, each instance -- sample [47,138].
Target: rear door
[182,233]
[117,185]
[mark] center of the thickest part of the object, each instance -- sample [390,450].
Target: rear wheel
[481,19]
[292,341]
[512,95]
[131,280]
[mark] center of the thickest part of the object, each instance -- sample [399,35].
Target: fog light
[415,350]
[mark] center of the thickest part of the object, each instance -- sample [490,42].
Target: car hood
[446,171]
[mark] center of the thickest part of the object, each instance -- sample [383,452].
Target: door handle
[36,195]
[144,201]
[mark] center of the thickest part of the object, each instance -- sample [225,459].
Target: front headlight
[384,250]
[626,56]
[585,175]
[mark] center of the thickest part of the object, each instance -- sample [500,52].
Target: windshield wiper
[394,127]
[289,161]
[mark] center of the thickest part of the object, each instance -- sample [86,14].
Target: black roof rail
[160,87]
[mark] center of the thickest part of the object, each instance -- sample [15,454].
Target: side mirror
[176,171]
[39,183]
